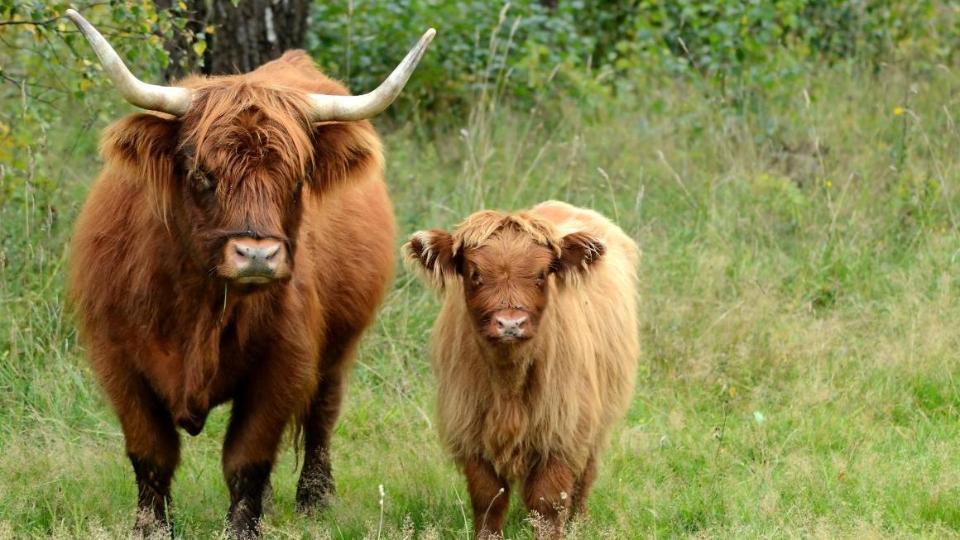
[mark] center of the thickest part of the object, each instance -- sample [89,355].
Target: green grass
[800,323]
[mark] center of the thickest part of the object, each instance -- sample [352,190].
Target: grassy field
[800,329]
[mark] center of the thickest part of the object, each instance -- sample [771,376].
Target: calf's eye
[475,278]
[541,279]
[202,181]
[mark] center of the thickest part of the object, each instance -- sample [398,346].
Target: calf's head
[230,162]
[505,266]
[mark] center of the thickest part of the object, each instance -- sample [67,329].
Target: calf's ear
[578,251]
[431,252]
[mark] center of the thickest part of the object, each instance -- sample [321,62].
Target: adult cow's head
[230,158]
[506,266]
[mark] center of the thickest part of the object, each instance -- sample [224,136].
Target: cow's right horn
[168,99]
[342,108]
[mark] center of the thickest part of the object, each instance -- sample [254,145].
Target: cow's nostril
[269,254]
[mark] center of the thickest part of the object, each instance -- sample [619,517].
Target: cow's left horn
[168,99]
[369,105]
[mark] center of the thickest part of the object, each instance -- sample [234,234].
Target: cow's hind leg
[316,486]
[153,446]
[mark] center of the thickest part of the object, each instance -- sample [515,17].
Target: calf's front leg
[547,494]
[581,490]
[489,496]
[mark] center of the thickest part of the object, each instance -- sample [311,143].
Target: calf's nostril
[506,325]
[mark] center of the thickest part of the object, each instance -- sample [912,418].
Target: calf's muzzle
[511,325]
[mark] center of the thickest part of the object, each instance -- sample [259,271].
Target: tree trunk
[244,36]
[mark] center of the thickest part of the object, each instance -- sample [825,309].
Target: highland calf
[234,248]
[535,349]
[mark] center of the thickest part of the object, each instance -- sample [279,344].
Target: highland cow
[234,248]
[535,350]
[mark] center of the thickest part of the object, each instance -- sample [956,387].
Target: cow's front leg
[256,426]
[153,445]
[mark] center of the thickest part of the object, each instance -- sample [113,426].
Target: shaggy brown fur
[535,349]
[170,334]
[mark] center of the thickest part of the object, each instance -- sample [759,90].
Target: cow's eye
[475,278]
[541,279]
[202,181]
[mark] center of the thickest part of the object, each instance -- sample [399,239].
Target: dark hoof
[315,493]
[246,495]
[243,522]
[150,527]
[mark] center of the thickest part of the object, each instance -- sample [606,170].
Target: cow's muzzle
[254,260]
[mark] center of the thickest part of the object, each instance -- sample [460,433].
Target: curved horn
[168,99]
[369,105]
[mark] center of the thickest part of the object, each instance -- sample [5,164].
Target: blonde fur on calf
[531,405]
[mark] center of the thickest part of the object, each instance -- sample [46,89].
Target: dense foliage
[575,47]
[48,73]
[587,47]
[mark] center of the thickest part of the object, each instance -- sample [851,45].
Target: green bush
[524,50]
[479,45]
[47,70]
[582,47]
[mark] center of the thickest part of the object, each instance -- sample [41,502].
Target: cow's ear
[343,150]
[431,252]
[578,251]
[142,147]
